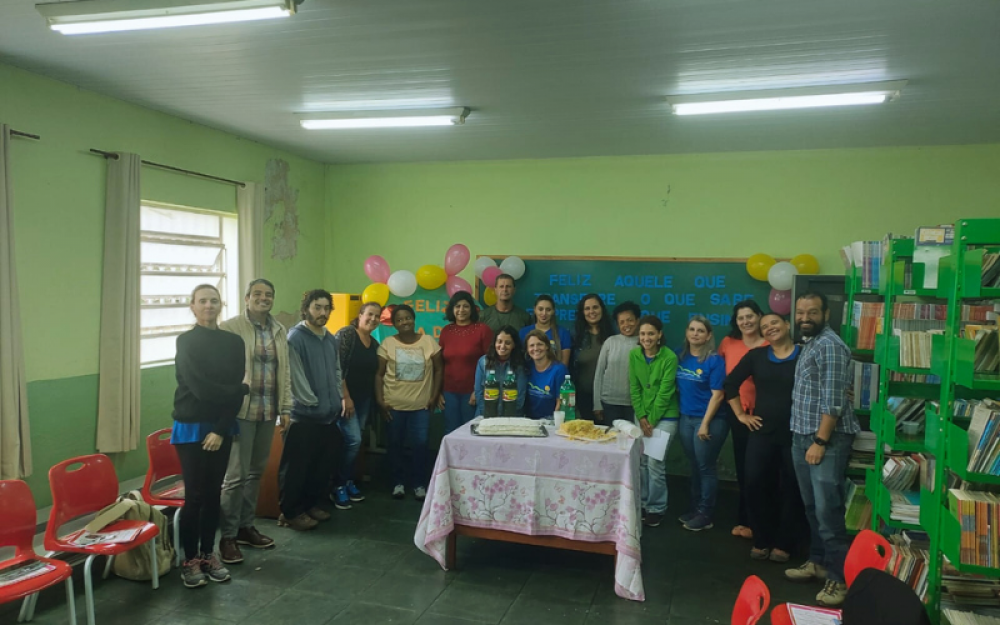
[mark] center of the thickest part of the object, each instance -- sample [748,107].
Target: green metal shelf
[951,541]
[958,456]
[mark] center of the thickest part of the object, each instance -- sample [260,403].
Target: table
[540,491]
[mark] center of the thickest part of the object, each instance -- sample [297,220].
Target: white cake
[508,426]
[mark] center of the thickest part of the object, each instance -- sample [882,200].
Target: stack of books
[867,319]
[915,347]
[991,271]
[978,515]
[909,560]
[961,408]
[984,438]
[863,450]
[987,354]
[961,617]
[859,507]
[907,410]
[865,384]
[914,378]
[969,592]
[904,506]
[904,472]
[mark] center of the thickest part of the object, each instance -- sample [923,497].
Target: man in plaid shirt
[823,428]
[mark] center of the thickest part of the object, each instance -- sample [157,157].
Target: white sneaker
[420,492]
[398,492]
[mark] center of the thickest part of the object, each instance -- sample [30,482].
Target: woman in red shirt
[463,342]
[744,336]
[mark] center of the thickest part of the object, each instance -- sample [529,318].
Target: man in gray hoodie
[312,438]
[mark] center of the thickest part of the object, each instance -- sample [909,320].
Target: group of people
[785,404]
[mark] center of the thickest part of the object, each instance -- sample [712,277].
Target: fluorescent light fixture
[783,99]
[405,118]
[81,17]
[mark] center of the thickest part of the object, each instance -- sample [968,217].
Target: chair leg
[155,568]
[88,588]
[178,558]
[71,600]
[22,616]
[32,606]
[107,567]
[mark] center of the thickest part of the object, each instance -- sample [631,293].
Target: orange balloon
[489,296]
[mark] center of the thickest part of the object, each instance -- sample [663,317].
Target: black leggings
[740,434]
[774,503]
[203,474]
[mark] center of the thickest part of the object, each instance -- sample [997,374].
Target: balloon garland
[781,275]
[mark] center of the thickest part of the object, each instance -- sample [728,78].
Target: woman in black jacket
[210,368]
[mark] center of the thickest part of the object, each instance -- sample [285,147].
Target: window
[180,249]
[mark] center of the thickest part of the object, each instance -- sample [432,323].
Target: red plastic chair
[752,602]
[165,464]
[870,550]
[83,486]
[17,530]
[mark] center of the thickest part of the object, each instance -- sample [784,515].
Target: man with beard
[823,428]
[312,438]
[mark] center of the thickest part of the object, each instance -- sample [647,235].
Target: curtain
[250,210]
[118,395]
[15,437]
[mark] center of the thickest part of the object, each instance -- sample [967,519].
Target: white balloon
[482,264]
[513,267]
[782,275]
[402,283]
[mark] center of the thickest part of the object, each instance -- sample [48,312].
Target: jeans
[409,426]
[614,413]
[351,430]
[203,472]
[457,411]
[251,449]
[653,473]
[703,456]
[772,493]
[822,489]
[306,463]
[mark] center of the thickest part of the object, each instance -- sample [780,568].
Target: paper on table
[807,615]
[655,446]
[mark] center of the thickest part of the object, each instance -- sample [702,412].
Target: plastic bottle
[567,393]
[508,399]
[491,395]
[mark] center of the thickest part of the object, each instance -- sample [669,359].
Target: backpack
[134,564]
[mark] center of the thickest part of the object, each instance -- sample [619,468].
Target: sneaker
[777,555]
[653,519]
[229,551]
[340,499]
[319,514]
[301,523]
[213,569]
[353,492]
[833,594]
[808,572]
[398,492]
[698,523]
[250,537]
[191,573]
[419,493]
[687,517]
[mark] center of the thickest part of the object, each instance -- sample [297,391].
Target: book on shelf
[867,257]
[990,277]
[909,561]
[866,317]
[961,408]
[905,472]
[907,410]
[978,514]
[859,508]
[984,438]
[25,570]
[904,506]
[962,617]
[915,347]
[987,350]
[865,384]
[914,378]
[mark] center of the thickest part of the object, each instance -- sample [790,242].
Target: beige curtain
[15,437]
[250,210]
[118,396]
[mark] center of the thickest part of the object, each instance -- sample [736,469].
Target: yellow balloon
[375,292]
[431,277]
[758,266]
[489,296]
[806,264]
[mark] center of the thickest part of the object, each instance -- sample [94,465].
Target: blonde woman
[546,374]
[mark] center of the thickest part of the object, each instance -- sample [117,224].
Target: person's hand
[282,422]
[815,453]
[436,402]
[212,442]
[347,407]
[647,429]
[472,399]
[753,422]
[703,433]
[849,391]
[599,415]
[386,413]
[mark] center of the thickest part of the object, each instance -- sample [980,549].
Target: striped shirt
[822,375]
[264,373]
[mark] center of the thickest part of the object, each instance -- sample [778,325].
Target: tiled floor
[362,567]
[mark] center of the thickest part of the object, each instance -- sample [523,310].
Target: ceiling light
[82,17]
[406,118]
[781,99]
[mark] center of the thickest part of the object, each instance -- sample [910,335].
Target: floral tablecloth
[538,486]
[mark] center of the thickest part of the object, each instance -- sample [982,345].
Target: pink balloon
[377,269]
[781,301]
[490,276]
[456,259]
[456,284]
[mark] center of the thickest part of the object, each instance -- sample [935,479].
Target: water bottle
[567,393]
[491,395]
[508,403]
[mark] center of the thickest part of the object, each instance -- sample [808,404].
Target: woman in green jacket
[651,372]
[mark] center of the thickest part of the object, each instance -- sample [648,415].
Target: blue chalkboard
[673,289]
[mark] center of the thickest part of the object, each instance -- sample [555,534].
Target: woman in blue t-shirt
[700,377]
[546,321]
[545,375]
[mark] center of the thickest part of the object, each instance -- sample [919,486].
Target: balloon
[489,296]
[781,275]
[375,292]
[431,277]
[758,266]
[490,276]
[806,264]
[377,269]
[456,284]
[513,267]
[781,301]
[456,259]
[402,283]
[482,264]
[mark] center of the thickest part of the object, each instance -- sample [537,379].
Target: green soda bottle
[567,393]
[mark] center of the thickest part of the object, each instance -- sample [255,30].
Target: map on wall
[281,202]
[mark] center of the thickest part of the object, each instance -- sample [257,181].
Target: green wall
[59,229]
